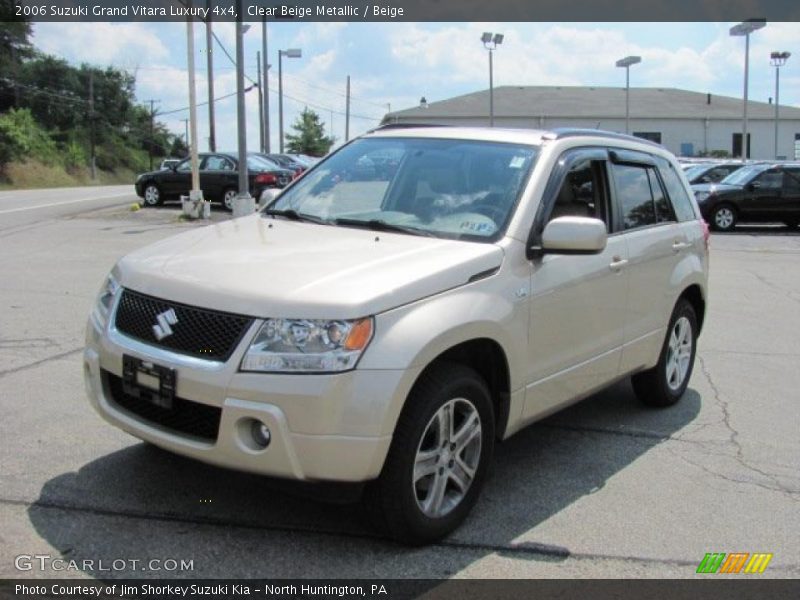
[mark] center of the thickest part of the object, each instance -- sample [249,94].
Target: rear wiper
[293,215]
[381,225]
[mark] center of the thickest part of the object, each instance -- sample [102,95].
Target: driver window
[184,166]
[771,179]
[581,192]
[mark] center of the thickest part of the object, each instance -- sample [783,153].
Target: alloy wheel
[680,353]
[447,458]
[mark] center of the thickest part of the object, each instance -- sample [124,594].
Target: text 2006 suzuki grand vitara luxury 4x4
[415,297]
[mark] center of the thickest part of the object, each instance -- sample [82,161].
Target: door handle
[678,246]
[617,263]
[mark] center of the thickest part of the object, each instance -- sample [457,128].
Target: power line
[185,108]
[332,91]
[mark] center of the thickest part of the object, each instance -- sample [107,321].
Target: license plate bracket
[148,381]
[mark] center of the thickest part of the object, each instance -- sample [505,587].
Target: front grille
[199,332]
[187,417]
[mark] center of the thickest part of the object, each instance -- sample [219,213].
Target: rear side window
[791,180]
[681,204]
[635,196]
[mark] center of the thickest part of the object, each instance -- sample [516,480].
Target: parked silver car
[390,325]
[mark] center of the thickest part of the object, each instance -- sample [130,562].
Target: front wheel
[664,384]
[723,218]
[152,195]
[440,452]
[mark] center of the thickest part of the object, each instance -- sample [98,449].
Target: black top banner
[402,10]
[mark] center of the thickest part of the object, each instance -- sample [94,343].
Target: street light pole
[777,60]
[745,28]
[243,204]
[290,53]
[265,79]
[491,42]
[627,62]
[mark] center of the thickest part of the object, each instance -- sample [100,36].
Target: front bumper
[334,427]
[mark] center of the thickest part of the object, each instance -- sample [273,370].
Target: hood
[271,267]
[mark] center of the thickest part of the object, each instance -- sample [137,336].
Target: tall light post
[777,60]
[745,28]
[243,204]
[627,62]
[290,53]
[491,42]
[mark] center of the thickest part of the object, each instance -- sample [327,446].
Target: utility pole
[265,107]
[151,141]
[186,133]
[92,158]
[347,113]
[212,139]
[198,206]
[243,204]
[260,103]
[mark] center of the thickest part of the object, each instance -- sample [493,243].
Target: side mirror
[267,196]
[574,235]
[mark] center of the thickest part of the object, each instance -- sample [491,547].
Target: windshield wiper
[381,225]
[293,215]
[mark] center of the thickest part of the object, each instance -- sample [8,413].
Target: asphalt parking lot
[606,488]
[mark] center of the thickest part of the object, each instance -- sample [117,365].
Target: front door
[577,305]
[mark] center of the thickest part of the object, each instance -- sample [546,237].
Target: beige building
[687,123]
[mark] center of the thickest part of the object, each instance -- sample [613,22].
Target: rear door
[656,243]
[790,205]
[217,174]
[763,197]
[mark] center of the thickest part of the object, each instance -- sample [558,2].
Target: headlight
[105,298]
[308,345]
[701,196]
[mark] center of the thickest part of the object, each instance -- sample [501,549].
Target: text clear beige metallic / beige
[415,297]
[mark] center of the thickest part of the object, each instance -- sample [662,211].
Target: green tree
[310,137]
[14,48]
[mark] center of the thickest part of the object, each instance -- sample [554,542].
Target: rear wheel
[228,196]
[664,384]
[152,195]
[440,452]
[723,218]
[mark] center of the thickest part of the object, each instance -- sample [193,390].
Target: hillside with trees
[55,116]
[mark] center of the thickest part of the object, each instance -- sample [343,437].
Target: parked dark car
[219,179]
[287,162]
[755,193]
[711,172]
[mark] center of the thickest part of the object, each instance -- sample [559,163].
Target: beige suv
[414,298]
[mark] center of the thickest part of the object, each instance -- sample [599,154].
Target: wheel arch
[694,295]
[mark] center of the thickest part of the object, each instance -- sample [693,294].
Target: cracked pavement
[605,488]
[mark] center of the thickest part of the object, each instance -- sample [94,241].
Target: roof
[593,103]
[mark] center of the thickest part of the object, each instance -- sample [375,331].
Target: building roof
[593,102]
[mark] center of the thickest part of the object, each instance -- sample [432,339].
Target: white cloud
[123,44]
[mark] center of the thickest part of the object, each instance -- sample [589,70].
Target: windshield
[460,189]
[744,175]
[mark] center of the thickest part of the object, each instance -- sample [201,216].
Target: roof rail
[565,132]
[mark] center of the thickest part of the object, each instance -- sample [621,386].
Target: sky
[395,64]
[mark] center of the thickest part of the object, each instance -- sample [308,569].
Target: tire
[228,196]
[406,501]
[664,384]
[723,218]
[152,195]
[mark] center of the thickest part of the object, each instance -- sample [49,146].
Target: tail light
[706,234]
[266,178]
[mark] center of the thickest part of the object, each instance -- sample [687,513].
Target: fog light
[260,433]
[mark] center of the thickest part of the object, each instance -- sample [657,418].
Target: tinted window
[217,163]
[770,180]
[681,203]
[663,210]
[582,192]
[791,180]
[185,166]
[635,198]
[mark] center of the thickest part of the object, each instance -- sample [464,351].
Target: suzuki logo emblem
[165,319]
